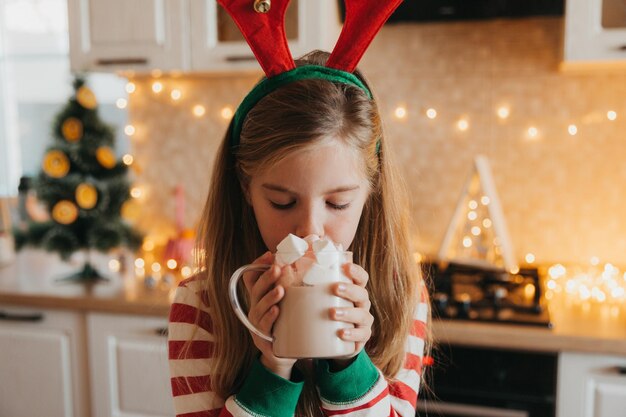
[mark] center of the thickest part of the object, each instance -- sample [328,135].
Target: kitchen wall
[562,195]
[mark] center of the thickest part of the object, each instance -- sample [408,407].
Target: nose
[310,222]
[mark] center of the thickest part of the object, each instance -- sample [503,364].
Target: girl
[310,159]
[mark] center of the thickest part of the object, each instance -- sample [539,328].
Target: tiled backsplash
[562,195]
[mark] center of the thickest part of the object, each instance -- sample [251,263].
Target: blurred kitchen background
[538,87]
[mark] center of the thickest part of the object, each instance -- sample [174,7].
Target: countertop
[583,328]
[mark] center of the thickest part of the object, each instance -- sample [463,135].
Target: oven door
[487,382]
[442,409]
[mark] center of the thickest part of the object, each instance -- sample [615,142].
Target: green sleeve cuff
[266,394]
[349,384]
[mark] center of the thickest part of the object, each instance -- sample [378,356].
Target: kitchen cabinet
[595,35]
[128,366]
[591,385]
[43,363]
[183,35]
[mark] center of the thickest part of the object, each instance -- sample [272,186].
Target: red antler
[363,20]
[264,32]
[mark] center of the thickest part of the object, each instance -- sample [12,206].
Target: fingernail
[339,313]
[341,287]
[347,332]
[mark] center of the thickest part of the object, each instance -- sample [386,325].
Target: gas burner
[468,293]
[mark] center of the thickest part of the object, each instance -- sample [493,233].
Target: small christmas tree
[83,185]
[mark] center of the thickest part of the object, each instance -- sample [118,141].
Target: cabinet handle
[121,61]
[161,331]
[33,317]
[240,58]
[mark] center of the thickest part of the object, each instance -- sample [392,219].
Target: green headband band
[268,85]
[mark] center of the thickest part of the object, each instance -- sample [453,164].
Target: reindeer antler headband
[263,27]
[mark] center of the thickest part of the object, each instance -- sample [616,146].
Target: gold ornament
[262,6]
[86,98]
[72,129]
[65,212]
[56,164]
[130,210]
[105,156]
[86,196]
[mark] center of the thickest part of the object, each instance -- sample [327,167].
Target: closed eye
[282,206]
[338,206]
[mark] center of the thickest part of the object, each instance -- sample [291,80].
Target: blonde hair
[295,117]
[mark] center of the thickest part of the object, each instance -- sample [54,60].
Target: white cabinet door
[595,34]
[128,365]
[217,44]
[43,363]
[591,386]
[128,35]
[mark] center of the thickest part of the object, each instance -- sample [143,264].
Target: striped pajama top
[360,390]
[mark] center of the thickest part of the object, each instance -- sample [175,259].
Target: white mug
[304,328]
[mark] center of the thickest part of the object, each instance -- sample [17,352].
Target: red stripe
[418,329]
[195,349]
[206,413]
[183,313]
[183,385]
[414,362]
[367,405]
[401,390]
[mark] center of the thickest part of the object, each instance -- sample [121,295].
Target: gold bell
[262,6]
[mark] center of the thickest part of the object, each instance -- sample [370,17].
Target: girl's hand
[359,315]
[264,296]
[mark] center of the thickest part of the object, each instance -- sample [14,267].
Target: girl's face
[320,191]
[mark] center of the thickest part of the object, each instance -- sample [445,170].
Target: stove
[468,292]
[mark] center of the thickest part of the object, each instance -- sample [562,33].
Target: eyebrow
[282,189]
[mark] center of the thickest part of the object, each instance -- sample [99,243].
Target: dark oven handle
[443,409]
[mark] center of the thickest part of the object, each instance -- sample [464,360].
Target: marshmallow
[326,253]
[310,239]
[290,249]
[318,274]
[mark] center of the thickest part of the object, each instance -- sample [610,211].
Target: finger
[356,334]
[357,316]
[267,302]
[359,275]
[354,293]
[249,278]
[268,319]
[264,284]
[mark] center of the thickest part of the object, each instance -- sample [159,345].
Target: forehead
[332,163]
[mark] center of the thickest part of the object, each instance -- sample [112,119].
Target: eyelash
[289,205]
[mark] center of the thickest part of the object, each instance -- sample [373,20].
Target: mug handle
[234,300]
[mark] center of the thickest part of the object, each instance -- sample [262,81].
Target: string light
[611,115]
[148,245]
[171,264]
[572,129]
[121,103]
[484,200]
[486,223]
[136,192]
[129,130]
[185,271]
[473,204]
[431,113]
[467,241]
[472,215]
[198,110]
[503,112]
[226,113]
[476,230]
[128,159]
[114,265]
[176,94]
[156,267]
[530,258]
[140,263]
[157,87]
[130,87]
[533,132]
[400,112]
[462,125]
